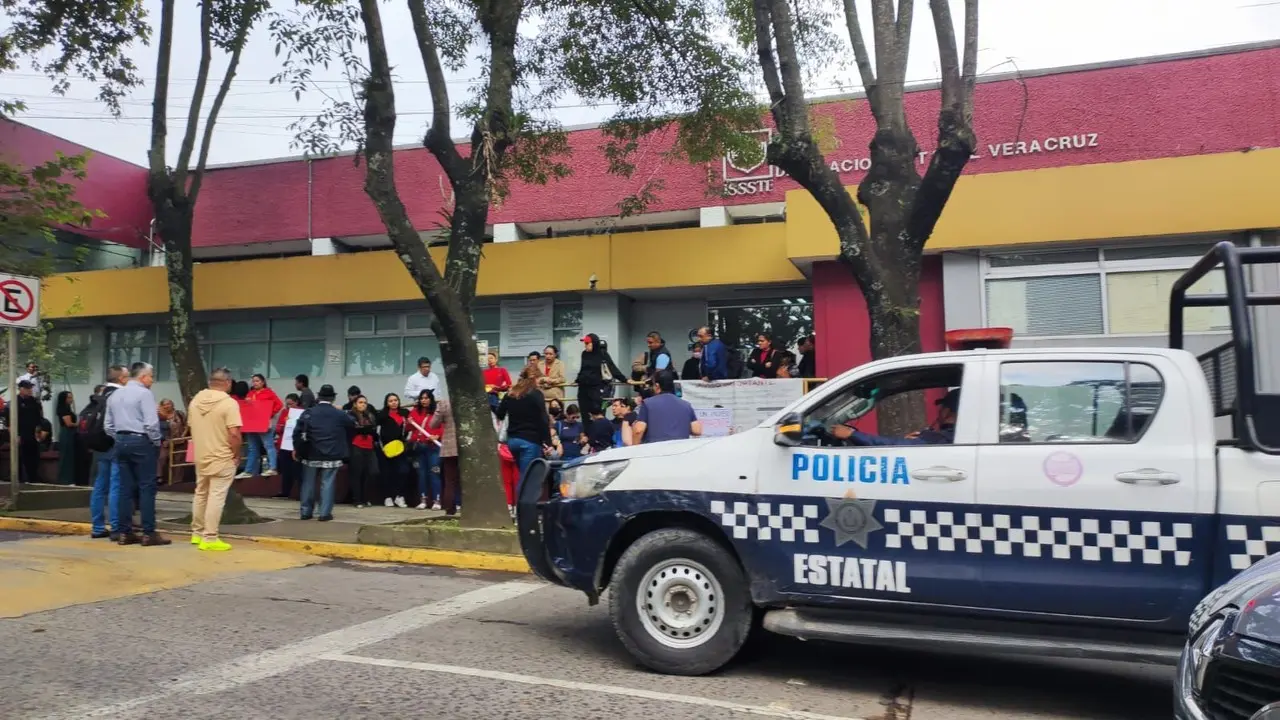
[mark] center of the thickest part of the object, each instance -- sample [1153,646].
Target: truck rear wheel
[680,602]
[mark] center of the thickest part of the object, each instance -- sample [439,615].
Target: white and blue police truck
[1079,502]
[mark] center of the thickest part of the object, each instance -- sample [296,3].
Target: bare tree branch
[952,87]
[906,12]
[197,97]
[970,70]
[439,136]
[764,49]
[789,70]
[160,100]
[241,37]
[860,55]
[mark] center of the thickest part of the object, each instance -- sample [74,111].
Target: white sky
[255,119]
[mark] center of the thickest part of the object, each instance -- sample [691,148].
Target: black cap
[353,390]
[25,384]
[951,400]
[326,392]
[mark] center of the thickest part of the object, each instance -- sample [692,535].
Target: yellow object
[196,539]
[215,546]
[395,448]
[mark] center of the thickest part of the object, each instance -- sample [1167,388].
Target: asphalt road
[348,640]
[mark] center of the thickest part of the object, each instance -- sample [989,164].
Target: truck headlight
[1201,651]
[589,479]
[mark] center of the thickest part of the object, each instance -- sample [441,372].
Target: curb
[464,560]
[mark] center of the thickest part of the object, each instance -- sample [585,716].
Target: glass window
[297,329]
[1066,402]
[237,331]
[70,350]
[373,356]
[486,319]
[1033,259]
[1048,305]
[359,324]
[786,320]
[421,346]
[1138,302]
[386,323]
[290,358]
[418,321]
[242,359]
[920,386]
[568,316]
[148,344]
[124,337]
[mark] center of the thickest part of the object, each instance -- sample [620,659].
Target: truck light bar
[992,338]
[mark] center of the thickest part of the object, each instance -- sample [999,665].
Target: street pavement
[277,635]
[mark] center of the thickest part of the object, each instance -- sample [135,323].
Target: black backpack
[91,427]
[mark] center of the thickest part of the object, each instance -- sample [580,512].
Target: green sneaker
[196,539]
[215,546]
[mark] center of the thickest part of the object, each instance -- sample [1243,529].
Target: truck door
[875,522]
[1089,486]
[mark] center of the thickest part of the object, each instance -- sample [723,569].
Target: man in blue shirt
[715,356]
[132,422]
[664,416]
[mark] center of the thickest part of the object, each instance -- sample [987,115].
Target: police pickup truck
[1077,503]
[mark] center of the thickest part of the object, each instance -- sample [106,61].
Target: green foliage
[33,200]
[61,38]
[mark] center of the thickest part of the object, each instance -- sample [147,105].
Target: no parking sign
[19,301]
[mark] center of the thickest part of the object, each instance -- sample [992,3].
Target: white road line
[270,663]
[589,687]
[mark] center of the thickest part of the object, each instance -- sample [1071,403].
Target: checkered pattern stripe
[1059,538]
[768,521]
[1248,547]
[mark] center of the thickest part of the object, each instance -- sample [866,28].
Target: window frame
[1100,267]
[206,345]
[998,375]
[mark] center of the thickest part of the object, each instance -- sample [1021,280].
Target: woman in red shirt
[425,442]
[364,465]
[496,380]
[262,404]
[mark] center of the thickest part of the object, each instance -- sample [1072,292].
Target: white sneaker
[422,506]
[269,473]
[512,509]
[436,506]
[243,475]
[389,502]
[400,502]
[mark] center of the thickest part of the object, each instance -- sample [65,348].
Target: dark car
[1230,666]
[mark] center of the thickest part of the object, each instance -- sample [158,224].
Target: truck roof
[1088,350]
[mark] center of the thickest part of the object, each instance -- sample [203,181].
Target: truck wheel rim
[680,603]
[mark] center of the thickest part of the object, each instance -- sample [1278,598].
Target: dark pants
[136,459]
[28,460]
[362,475]
[290,472]
[452,484]
[591,396]
[395,476]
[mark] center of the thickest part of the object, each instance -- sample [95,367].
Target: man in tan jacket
[214,417]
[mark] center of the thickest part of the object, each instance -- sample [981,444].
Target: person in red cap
[593,385]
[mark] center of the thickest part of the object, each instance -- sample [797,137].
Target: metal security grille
[1219,366]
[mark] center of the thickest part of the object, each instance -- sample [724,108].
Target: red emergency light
[994,338]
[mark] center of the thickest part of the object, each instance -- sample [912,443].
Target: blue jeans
[307,494]
[428,457]
[258,442]
[524,452]
[106,491]
[136,465]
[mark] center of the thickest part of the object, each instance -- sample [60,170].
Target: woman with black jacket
[593,388]
[765,359]
[528,425]
[364,464]
[395,471]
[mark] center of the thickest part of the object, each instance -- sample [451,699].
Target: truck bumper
[563,540]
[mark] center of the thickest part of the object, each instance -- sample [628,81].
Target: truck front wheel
[680,602]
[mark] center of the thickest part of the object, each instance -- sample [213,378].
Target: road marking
[587,687]
[270,663]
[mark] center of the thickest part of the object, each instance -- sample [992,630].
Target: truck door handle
[1148,476]
[938,473]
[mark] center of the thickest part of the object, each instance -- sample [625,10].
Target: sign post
[19,308]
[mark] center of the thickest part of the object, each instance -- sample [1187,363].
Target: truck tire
[680,602]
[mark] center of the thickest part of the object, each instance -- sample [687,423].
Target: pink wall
[1213,104]
[116,187]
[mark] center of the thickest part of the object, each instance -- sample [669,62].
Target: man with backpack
[91,432]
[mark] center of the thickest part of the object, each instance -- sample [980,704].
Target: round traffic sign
[16,301]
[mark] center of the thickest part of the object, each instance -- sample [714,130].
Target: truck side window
[1077,402]
[925,387]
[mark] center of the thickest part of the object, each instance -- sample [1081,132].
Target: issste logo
[738,167]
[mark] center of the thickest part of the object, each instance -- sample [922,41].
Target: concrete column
[323,246]
[606,315]
[714,216]
[507,232]
[962,290]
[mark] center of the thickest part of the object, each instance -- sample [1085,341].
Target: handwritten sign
[751,401]
[716,422]
[286,442]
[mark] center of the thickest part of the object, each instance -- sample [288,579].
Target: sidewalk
[334,539]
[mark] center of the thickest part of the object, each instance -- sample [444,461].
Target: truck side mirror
[789,431]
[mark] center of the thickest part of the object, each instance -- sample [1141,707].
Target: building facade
[1092,188]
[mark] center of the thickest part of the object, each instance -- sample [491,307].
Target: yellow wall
[627,261]
[1170,196]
